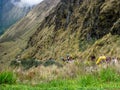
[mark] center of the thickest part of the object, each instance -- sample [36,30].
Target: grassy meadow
[70,77]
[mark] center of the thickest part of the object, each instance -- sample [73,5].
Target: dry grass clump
[45,74]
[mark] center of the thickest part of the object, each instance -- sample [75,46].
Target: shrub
[14,63]
[51,62]
[7,78]
[27,64]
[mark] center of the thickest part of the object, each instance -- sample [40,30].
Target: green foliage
[105,78]
[7,78]
[105,75]
[14,63]
[30,63]
[63,85]
[88,80]
[51,62]
[109,74]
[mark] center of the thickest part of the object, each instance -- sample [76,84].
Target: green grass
[63,85]
[88,80]
[109,74]
[103,76]
[106,79]
[7,78]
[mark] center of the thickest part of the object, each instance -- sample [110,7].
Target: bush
[14,63]
[7,78]
[27,64]
[51,62]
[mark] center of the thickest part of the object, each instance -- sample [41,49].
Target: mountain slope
[80,28]
[10,14]
[29,22]
[19,34]
[74,27]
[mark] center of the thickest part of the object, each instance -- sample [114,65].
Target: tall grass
[108,75]
[103,76]
[43,73]
[57,79]
[39,74]
[7,78]
[88,80]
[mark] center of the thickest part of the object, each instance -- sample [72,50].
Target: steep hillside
[80,28]
[19,34]
[74,28]
[10,14]
[28,23]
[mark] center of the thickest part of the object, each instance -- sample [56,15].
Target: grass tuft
[7,78]
[109,74]
[88,80]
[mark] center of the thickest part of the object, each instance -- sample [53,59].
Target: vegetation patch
[84,44]
[88,80]
[30,63]
[101,80]
[52,62]
[7,78]
[108,75]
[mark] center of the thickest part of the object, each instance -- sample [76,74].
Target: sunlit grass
[104,79]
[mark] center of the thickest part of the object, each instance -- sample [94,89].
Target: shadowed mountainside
[10,14]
